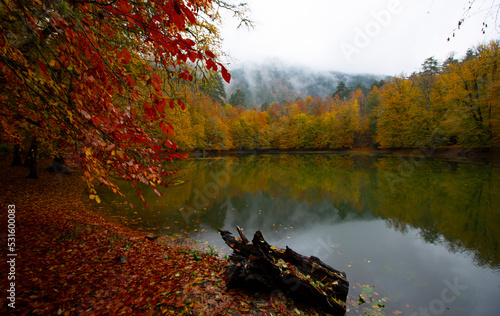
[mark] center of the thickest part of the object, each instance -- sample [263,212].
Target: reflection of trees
[451,203]
[444,200]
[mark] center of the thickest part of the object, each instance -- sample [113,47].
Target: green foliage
[368,303]
[196,255]
[211,251]
[238,98]
[213,86]
[342,91]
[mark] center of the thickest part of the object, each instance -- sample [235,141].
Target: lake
[422,232]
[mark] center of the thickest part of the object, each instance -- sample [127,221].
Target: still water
[424,233]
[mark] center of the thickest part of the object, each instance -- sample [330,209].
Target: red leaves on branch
[79,91]
[211,65]
[209,54]
[42,68]
[183,106]
[156,81]
[185,75]
[160,105]
[167,128]
[124,6]
[172,104]
[225,74]
[150,112]
[126,57]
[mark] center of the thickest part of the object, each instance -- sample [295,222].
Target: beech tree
[469,92]
[72,76]
[402,117]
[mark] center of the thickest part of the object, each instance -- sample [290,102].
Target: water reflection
[410,227]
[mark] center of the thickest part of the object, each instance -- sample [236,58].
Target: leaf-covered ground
[68,260]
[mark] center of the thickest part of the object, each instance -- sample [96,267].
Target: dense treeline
[453,103]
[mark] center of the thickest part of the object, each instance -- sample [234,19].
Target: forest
[118,91]
[454,102]
[123,101]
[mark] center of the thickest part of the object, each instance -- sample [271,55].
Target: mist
[365,36]
[274,80]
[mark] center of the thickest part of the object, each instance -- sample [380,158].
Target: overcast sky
[388,37]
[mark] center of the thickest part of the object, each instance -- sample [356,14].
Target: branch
[240,11]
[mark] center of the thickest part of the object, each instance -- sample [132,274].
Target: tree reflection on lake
[407,226]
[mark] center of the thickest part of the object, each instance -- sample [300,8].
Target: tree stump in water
[260,266]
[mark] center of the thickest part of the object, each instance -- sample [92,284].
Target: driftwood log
[258,266]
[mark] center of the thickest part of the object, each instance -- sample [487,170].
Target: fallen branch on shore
[258,266]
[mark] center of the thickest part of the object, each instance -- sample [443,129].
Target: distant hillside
[274,81]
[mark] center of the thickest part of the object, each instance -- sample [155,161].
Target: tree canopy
[89,78]
[447,103]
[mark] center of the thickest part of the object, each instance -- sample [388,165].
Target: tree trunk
[259,266]
[16,161]
[32,160]
[58,166]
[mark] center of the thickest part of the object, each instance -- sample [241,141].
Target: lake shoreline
[450,152]
[74,260]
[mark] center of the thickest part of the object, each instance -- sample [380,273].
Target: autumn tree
[372,103]
[250,130]
[344,120]
[427,77]
[402,117]
[315,106]
[468,91]
[70,72]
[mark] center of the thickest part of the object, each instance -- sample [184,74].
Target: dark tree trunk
[32,160]
[59,166]
[16,161]
[259,266]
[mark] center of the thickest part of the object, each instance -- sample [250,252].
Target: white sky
[387,37]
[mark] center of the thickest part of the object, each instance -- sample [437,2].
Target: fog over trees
[275,81]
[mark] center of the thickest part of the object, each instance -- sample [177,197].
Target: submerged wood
[259,266]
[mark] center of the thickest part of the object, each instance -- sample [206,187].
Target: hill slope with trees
[454,102]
